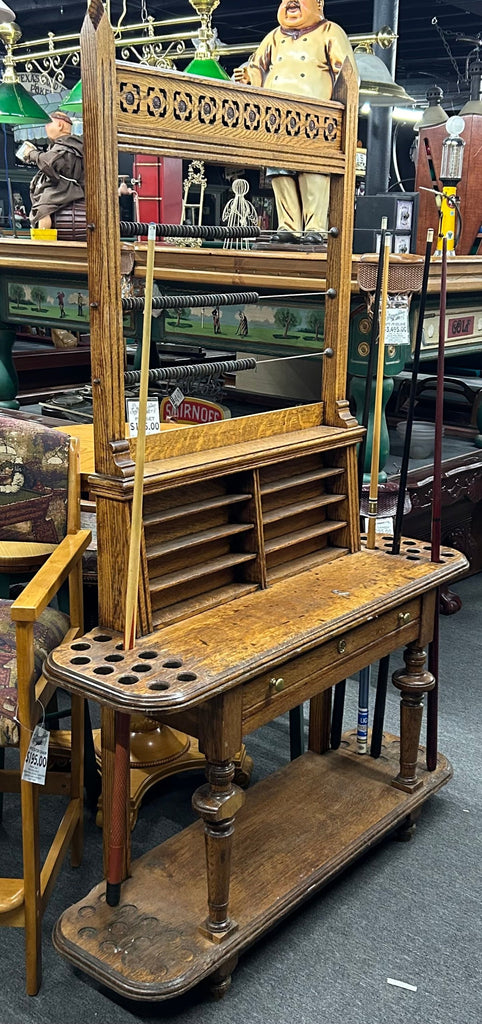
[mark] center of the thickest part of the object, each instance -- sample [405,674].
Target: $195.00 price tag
[153,424]
[35,764]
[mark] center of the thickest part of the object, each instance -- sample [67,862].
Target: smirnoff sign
[193,410]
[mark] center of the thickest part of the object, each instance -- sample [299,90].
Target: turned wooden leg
[218,802]
[413,681]
[219,982]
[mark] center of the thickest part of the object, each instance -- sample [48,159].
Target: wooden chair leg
[31,880]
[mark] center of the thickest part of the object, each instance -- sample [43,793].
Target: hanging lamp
[205,63]
[377,86]
[72,103]
[434,114]
[17,106]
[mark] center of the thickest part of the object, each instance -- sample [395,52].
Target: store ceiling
[422,60]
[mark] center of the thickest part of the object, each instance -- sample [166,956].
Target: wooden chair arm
[41,589]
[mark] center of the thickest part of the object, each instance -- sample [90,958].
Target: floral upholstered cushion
[49,631]
[33,481]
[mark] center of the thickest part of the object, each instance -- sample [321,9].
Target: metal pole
[379,141]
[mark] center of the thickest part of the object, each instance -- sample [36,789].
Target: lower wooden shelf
[298,829]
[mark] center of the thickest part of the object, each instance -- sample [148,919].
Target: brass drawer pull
[403,618]
[276,685]
[341,646]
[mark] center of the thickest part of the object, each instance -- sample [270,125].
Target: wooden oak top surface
[221,648]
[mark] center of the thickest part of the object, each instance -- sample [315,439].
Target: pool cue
[377,412]
[382,681]
[371,357]
[433,652]
[118,823]
[340,688]
[364,676]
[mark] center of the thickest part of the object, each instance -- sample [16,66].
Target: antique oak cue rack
[255,592]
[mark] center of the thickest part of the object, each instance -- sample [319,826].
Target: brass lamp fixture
[377,86]
[17,106]
[204,63]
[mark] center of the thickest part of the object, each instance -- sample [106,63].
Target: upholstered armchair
[39,523]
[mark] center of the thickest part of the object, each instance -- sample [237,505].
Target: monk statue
[302,57]
[60,177]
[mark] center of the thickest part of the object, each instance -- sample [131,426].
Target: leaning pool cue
[436,539]
[364,676]
[120,790]
[340,688]
[377,411]
[365,418]
[382,681]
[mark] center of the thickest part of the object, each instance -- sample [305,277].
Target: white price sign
[35,764]
[397,331]
[153,423]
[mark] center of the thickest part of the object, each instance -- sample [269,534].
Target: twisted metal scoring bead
[173,373]
[179,301]
[212,232]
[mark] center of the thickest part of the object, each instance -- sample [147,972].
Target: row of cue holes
[411,552]
[129,679]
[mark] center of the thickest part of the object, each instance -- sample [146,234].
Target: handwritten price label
[153,424]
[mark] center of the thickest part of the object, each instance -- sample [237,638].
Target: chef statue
[302,57]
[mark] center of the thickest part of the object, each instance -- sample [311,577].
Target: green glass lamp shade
[72,103]
[18,107]
[207,67]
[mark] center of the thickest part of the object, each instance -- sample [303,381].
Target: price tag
[153,424]
[35,764]
[397,331]
[383,525]
[176,398]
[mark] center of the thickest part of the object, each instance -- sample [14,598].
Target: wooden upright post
[338,265]
[99,101]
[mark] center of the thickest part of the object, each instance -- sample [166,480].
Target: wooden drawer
[299,679]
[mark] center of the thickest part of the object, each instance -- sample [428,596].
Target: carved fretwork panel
[174,113]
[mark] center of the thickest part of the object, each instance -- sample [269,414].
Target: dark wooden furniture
[255,593]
